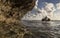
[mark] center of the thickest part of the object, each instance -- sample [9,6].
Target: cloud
[49,8]
[36,4]
[58,5]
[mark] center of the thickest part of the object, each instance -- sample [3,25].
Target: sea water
[44,27]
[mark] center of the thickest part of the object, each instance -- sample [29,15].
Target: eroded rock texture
[15,9]
[11,12]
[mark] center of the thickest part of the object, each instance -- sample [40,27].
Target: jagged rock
[11,12]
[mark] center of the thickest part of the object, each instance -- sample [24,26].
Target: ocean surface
[47,29]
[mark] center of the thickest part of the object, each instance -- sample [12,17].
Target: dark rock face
[11,12]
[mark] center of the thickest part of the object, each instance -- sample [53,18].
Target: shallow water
[51,28]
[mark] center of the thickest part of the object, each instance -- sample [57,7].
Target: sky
[41,2]
[46,6]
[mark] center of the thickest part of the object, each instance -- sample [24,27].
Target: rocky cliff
[11,12]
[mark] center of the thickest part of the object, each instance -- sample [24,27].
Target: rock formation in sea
[11,12]
[46,19]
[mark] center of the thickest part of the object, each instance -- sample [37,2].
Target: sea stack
[46,19]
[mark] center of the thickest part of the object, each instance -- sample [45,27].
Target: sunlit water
[52,27]
[39,23]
